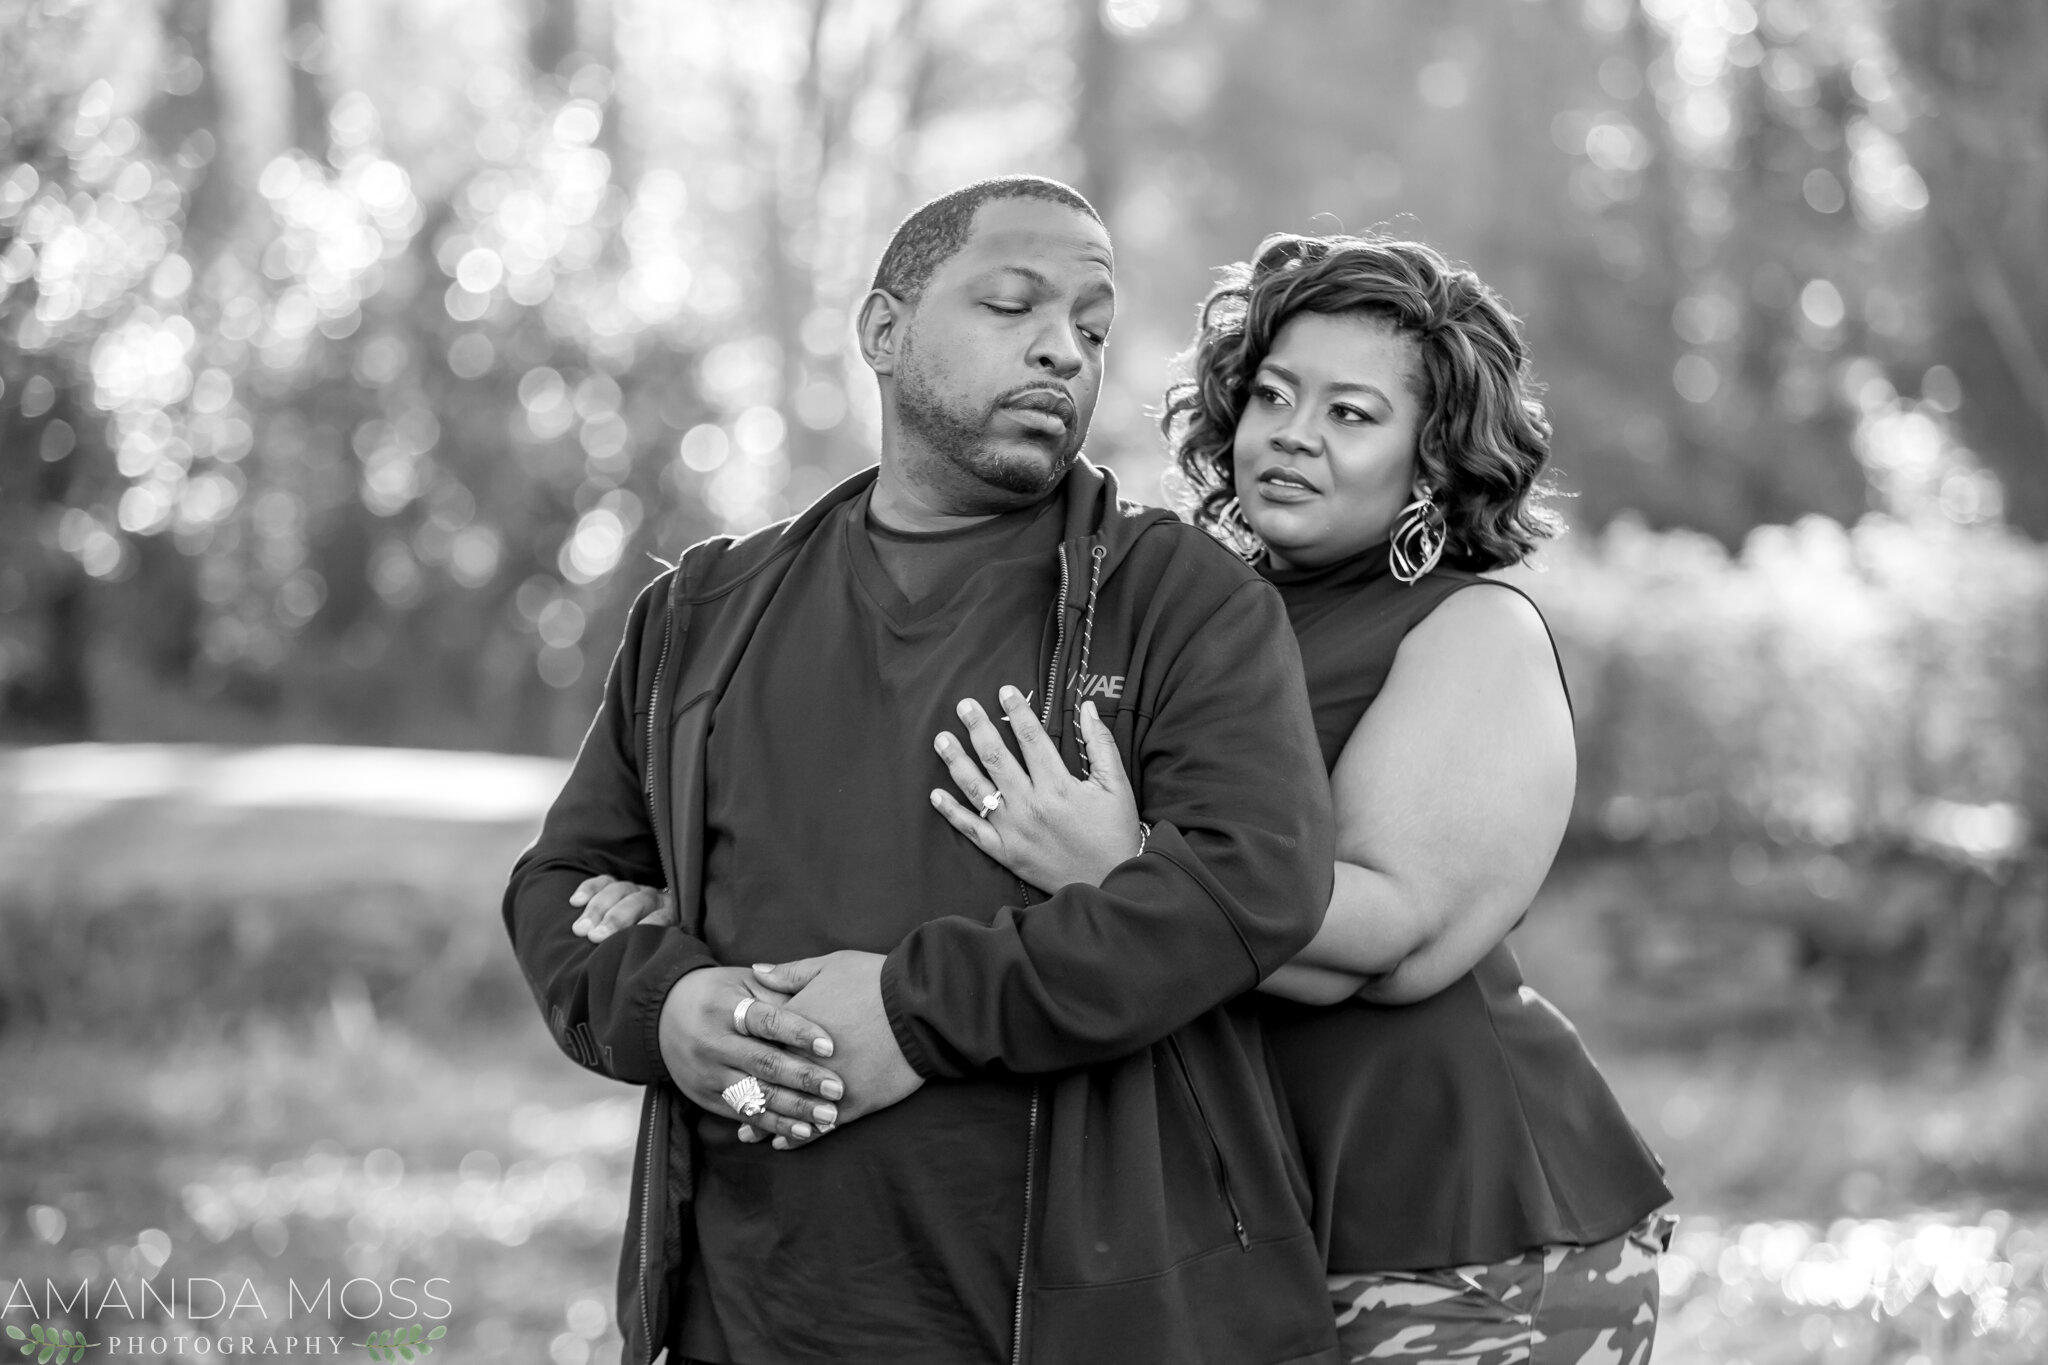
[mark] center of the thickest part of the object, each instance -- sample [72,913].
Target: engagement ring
[989,804]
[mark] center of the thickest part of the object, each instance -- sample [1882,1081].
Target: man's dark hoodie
[1164,1211]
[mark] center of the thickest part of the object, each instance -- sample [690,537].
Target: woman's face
[1325,452]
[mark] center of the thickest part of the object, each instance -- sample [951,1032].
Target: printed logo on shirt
[1110,685]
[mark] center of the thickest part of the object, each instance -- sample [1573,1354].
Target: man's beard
[962,439]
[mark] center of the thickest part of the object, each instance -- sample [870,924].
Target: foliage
[1811,774]
[402,1343]
[1882,684]
[48,1344]
[359,416]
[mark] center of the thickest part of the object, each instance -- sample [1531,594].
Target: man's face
[1002,357]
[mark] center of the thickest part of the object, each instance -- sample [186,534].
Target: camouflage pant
[1559,1305]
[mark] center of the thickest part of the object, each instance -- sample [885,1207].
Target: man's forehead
[1036,233]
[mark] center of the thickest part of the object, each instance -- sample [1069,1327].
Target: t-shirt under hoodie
[896,1237]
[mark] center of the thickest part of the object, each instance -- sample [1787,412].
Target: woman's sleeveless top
[1468,1127]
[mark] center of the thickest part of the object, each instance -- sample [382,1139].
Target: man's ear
[883,320]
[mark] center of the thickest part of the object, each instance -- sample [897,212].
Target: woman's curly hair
[1484,438]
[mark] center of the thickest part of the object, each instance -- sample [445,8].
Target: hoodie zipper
[1244,1241]
[1052,677]
[668,635]
[1024,1242]
[1059,645]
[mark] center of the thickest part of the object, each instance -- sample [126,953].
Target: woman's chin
[1290,548]
[1283,532]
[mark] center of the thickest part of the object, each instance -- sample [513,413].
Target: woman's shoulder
[1470,601]
[1482,624]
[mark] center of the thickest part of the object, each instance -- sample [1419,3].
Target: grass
[248,1035]
[325,1148]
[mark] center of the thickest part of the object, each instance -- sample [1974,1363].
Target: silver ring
[739,1016]
[746,1097]
[989,803]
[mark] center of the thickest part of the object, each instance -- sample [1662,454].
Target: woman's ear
[883,320]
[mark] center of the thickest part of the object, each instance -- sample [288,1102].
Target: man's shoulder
[1186,560]
[714,567]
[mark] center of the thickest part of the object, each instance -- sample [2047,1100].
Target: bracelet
[1144,838]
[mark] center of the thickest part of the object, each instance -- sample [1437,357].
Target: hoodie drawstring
[1095,557]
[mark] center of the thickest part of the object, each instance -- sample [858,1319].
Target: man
[1041,1138]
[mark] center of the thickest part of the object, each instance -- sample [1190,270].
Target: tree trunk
[307,63]
[550,35]
[1098,132]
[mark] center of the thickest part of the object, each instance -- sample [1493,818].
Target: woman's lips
[1275,487]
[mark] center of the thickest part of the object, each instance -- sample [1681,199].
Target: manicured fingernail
[822,1046]
[1011,697]
[943,743]
[826,1114]
[763,968]
[801,1129]
[935,796]
[833,1090]
[966,709]
[748,1135]
[600,933]
[780,1144]
[579,926]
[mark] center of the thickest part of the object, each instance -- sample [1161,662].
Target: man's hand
[705,1053]
[843,992]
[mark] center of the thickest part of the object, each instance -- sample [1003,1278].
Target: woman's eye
[1350,416]
[1008,310]
[1266,393]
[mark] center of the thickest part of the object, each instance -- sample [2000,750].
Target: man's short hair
[934,234]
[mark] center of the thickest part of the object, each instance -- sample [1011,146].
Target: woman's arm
[1451,799]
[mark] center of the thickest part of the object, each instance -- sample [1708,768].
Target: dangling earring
[1418,541]
[1244,540]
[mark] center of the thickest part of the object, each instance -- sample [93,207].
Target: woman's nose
[1295,436]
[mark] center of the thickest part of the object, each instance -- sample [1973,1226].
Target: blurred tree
[1099,127]
[374,439]
[1977,70]
[309,57]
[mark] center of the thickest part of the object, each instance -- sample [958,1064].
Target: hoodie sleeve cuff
[651,986]
[907,1041]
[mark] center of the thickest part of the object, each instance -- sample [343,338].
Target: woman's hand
[609,905]
[1050,828]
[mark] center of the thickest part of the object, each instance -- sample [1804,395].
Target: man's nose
[1057,348]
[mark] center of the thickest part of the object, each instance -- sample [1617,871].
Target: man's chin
[1026,468]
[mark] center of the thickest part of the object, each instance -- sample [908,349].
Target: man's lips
[1043,404]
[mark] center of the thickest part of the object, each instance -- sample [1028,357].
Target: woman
[1360,420]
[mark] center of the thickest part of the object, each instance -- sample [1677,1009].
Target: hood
[1096,516]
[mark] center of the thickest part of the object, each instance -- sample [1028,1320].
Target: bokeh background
[359,360]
